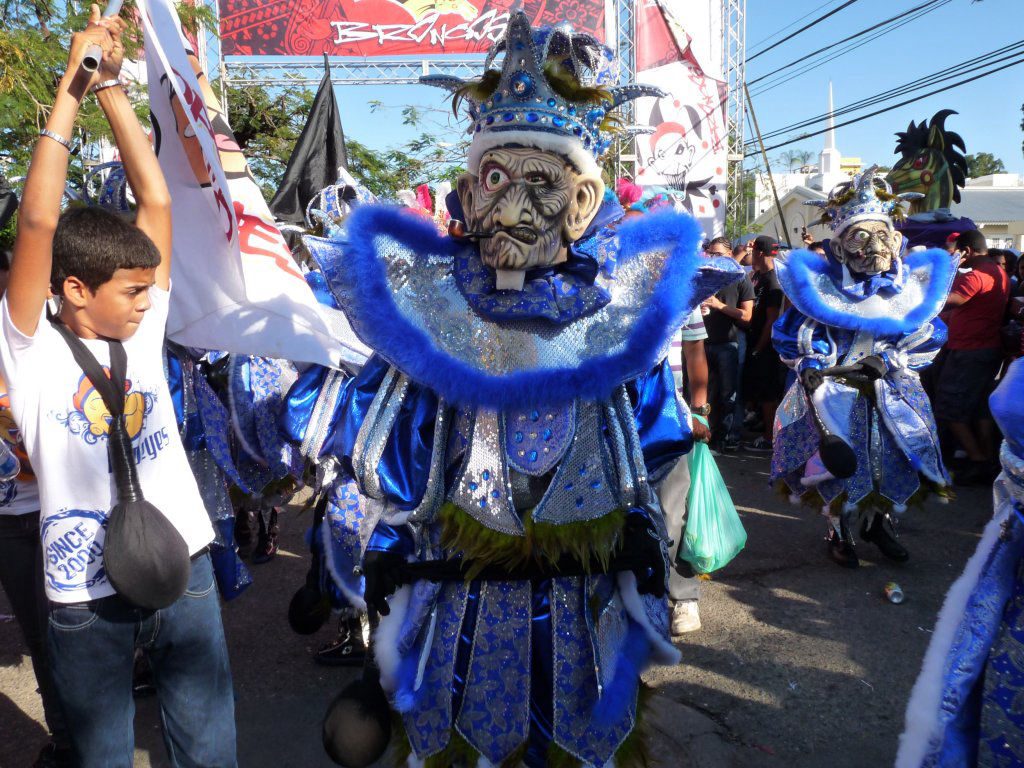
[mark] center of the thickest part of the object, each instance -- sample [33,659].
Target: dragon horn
[448,82]
[623,93]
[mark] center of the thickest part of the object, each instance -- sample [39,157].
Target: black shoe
[886,542]
[266,541]
[347,649]
[840,549]
[243,532]
[52,756]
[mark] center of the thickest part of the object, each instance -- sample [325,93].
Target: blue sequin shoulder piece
[394,279]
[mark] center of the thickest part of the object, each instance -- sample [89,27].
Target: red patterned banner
[385,27]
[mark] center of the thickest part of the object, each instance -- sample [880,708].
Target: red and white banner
[236,286]
[687,147]
[387,27]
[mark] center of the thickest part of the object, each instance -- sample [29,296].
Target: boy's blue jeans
[92,649]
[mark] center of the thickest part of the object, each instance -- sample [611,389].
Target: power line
[804,28]
[854,36]
[793,23]
[892,107]
[851,47]
[970,65]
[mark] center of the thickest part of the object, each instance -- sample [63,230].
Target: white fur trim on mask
[858,218]
[662,651]
[385,639]
[566,146]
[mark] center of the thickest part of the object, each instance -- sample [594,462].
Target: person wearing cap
[514,431]
[765,374]
[855,433]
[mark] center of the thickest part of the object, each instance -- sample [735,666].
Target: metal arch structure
[734,23]
[307,72]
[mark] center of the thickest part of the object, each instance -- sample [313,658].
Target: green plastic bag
[713,534]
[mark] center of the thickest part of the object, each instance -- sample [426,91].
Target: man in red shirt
[974,356]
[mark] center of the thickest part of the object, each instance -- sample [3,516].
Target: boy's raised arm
[152,199]
[40,202]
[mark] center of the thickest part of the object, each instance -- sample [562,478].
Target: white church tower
[829,172]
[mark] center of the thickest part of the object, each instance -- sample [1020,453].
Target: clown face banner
[685,150]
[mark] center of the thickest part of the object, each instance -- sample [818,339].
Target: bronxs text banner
[386,27]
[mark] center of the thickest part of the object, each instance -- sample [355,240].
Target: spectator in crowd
[951,243]
[21,573]
[765,373]
[742,253]
[687,354]
[111,279]
[973,358]
[817,247]
[727,314]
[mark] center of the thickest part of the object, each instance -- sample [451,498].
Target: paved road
[799,663]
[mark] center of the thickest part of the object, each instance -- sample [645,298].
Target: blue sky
[989,109]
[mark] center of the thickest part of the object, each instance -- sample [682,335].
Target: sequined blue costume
[473,422]
[967,706]
[837,320]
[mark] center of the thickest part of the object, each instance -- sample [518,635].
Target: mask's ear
[897,242]
[587,195]
[466,186]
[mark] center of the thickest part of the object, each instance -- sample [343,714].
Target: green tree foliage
[983,164]
[33,52]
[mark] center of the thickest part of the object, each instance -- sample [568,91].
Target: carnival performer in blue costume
[855,431]
[510,433]
[965,708]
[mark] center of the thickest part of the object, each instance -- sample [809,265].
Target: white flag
[236,287]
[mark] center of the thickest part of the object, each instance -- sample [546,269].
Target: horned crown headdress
[868,197]
[555,91]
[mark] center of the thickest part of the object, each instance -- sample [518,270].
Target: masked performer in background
[965,706]
[855,428]
[509,435]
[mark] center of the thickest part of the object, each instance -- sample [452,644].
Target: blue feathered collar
[896,303]
[393,278]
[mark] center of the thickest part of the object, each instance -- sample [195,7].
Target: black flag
[318,154]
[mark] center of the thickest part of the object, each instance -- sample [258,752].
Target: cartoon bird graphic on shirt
[89,403]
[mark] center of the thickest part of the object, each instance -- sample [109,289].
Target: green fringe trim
[874,501]
[591,541]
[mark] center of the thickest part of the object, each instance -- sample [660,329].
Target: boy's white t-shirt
[64,426]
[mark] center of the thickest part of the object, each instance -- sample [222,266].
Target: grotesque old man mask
[868,247]
[530,204]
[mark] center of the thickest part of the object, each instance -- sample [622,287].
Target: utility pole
[771,179]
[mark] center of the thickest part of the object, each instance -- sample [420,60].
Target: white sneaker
[685,617]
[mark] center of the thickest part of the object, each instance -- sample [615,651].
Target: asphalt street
[799,663]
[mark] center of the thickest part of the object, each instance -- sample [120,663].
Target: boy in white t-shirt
[112,281]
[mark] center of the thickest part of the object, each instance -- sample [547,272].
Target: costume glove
[382,572]
[873,367]
[641,544]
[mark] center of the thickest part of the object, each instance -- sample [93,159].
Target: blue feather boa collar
[393,277]
[909,301]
